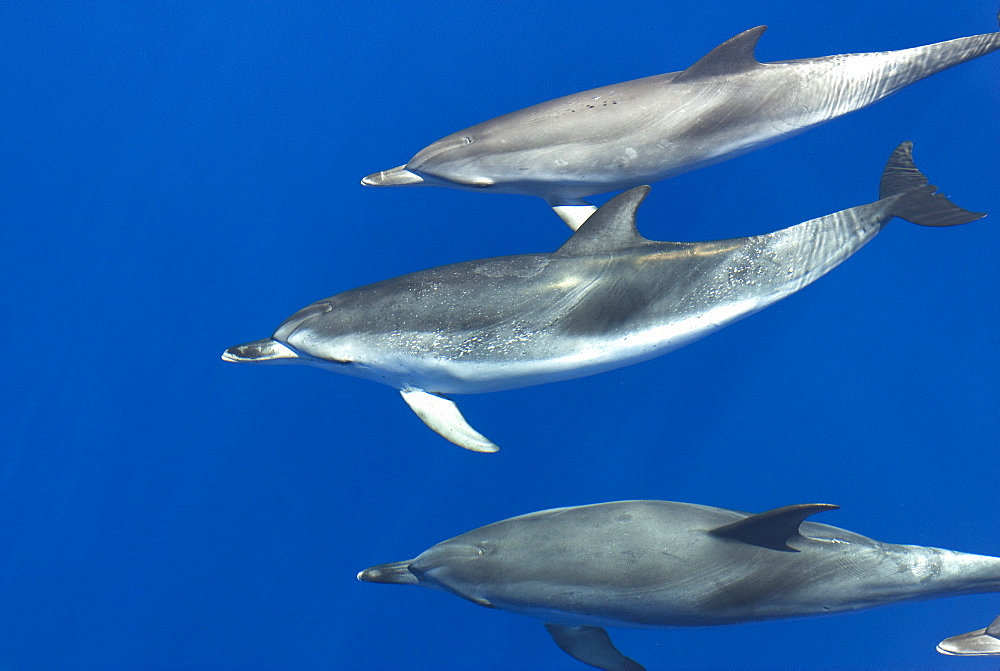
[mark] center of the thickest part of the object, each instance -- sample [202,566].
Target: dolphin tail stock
[442,416]
[593,646]
[917,63]
[914,199]
[978,643]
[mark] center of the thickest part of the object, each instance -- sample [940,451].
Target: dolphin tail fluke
[978,643]
[573,211]
[443,417]
[918,201]
[593,646]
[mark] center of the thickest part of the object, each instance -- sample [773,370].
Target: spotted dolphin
[607,298]
[642,131]
[665,564]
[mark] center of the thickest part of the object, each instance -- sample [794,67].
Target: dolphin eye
[468,139]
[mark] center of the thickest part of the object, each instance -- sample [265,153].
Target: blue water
[180,177]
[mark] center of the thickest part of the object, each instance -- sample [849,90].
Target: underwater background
[179,177]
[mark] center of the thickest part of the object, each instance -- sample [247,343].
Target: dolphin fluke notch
[920,203]
[398,176]
[978,643]
[593,646]
[259,351]
[774,528]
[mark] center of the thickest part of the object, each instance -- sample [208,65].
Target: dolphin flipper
[978,643]
[591,645]
[442,416]
[573,211]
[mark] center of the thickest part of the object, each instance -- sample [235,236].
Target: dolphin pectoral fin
[573,211]
[772,529]
[978,643]
[442,416]
[398,176]
[734,55]
[593,646]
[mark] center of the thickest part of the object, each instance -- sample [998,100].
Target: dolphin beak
[259,351]
[397,573]
[398,176]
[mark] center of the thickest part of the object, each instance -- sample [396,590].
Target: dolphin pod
[664,564]
[645,130]
[607,298]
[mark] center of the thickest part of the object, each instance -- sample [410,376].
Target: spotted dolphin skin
[665,564]
[605,299]
[645,130]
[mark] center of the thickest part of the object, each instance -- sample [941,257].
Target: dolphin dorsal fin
[772,529]
[609,229]
[734,55]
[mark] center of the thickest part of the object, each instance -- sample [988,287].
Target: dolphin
[642,131]
[665,564]
[606,298]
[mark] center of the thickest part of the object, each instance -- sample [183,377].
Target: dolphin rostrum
[665,564]
[605,299]
[645,130]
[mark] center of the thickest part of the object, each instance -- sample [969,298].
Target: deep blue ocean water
[180,177]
